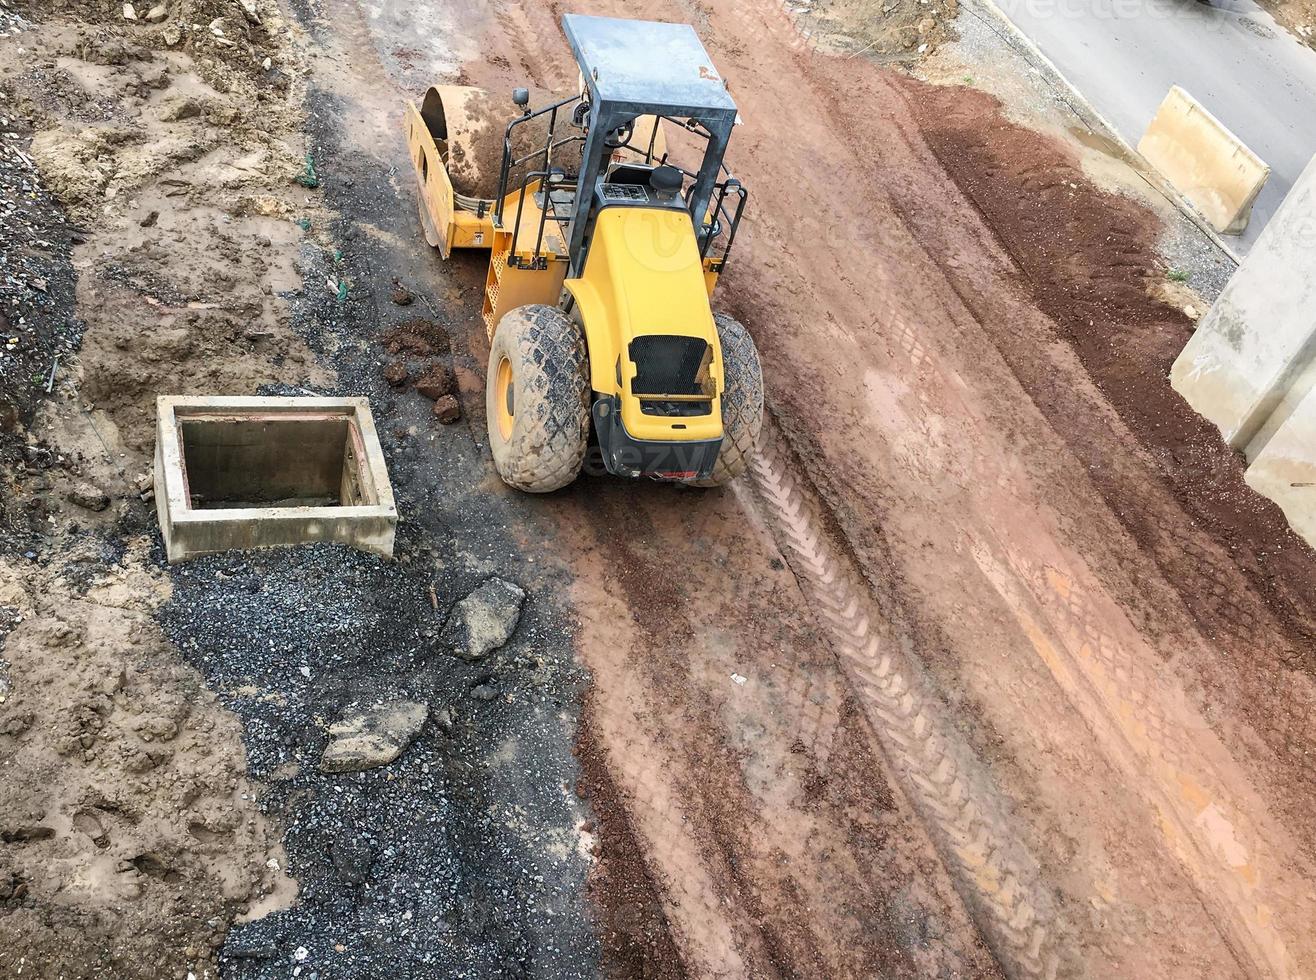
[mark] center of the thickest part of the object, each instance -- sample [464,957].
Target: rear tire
[742,401]
[537,399]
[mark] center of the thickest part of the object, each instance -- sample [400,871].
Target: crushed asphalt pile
[388,757]
[36,279]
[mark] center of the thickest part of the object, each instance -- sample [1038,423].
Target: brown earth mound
[1086,257]
[129,837]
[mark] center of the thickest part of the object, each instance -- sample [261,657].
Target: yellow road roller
[608,215]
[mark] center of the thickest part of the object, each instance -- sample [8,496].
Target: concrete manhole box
[237,472]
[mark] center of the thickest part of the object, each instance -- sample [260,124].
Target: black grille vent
[670,365]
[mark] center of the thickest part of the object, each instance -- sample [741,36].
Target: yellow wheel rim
[505,393]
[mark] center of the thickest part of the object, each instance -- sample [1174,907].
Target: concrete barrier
[1204,161]
[1251,365]
[1285,469]
[1257,340]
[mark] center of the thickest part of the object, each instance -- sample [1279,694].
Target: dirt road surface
[965,377]
[992,666]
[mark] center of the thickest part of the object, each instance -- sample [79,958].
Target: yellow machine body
[643,274]
[446,226]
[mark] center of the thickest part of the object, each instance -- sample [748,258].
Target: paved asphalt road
[1251,73]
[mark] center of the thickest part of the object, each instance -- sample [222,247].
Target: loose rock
[88,496]
[373,737]
[175,108]
[435,383]
[447,410]
[484,620]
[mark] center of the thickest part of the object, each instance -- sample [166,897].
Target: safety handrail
[713,228]
[512,260]
[721,218]
[537,259]
[547,151]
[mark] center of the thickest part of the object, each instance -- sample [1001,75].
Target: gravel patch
[435,863]
[462,857]
[36,280]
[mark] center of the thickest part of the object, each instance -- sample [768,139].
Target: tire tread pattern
[999,879]
[742,401]
[550,365]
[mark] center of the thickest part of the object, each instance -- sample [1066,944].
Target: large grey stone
[484,620]
[89,496]
[373,737]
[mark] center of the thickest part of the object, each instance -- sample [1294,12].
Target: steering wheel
[620,136]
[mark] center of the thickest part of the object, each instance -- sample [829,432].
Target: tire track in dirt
[1167,750]
[637,692]
[636,938]
[1249,866]
[760,805]
[997,492]
[1203,557]
[1214,823]
[997,877]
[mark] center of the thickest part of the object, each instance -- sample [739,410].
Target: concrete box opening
[268,462]
[236,473]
